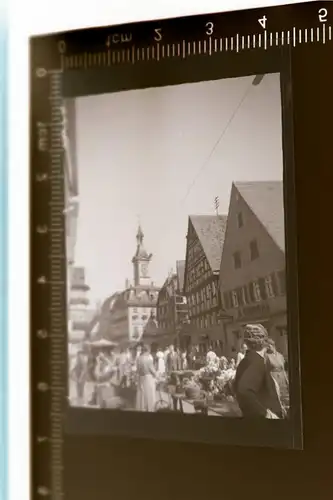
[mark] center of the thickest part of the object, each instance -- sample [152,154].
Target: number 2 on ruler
[263,22]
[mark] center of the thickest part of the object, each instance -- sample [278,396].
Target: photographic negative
[176,251]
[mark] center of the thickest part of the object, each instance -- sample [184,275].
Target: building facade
[205,239]
[252,274]
[172,309]
[80,314]
[125,314]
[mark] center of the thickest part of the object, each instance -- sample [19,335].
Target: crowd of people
[256,377]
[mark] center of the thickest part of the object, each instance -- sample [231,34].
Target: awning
[101,343]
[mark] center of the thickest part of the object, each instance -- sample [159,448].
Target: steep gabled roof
[180,267]
[210,230]
[265,200]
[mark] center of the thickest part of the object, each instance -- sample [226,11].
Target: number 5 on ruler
[263,22]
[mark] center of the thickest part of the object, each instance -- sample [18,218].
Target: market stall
[208,390]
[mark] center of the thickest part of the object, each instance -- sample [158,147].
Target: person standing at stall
[254,387]
[80,372]
[146,389]
[172,360]
[160,362]
[275,363]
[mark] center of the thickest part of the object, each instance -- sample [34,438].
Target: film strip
[49,145]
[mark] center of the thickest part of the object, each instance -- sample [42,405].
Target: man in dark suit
[254,387]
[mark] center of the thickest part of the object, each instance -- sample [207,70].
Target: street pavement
[161,395]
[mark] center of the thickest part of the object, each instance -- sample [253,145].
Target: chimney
[127,283]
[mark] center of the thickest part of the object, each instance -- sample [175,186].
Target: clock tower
[141,261]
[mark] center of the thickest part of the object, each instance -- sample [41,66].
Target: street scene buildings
[173,336]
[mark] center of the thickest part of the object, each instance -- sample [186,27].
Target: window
[234,298]
[269,287]
[135,317]
[237,260]
[256,291]
[245,295]
[240,221]
[254,252]
[239,296]
[135,309]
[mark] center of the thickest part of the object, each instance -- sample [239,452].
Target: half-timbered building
[205,239]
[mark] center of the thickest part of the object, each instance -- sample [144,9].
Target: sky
[158,155]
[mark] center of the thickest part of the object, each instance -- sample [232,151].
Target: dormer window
[240,221]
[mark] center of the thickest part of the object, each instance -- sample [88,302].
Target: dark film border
[45,49]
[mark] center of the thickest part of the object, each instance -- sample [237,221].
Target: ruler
[206,46]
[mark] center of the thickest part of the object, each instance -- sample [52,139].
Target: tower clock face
[144,269]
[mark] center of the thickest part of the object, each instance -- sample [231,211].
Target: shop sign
[253,312]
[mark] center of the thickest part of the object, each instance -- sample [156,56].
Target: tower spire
[139,235]
[141,260]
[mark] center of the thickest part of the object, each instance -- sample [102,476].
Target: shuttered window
[234,298]
[256,291]
[245,295]
[239,296]
[269,286]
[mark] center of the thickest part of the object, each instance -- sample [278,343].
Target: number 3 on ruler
[209,28]
[263,22]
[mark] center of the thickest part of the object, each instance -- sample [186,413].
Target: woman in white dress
[160,362]
[146,389]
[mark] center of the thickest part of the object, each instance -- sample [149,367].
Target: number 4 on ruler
[263,22]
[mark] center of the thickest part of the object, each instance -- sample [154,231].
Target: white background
[28,18]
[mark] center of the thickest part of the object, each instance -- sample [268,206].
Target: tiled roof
[180,267]
[265,200]
[211,231]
